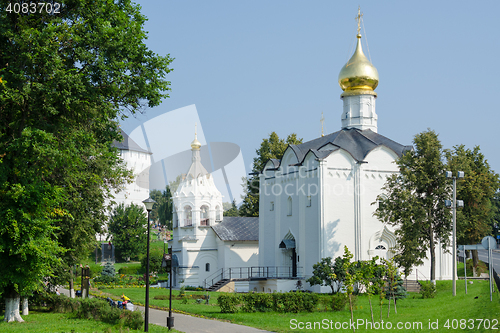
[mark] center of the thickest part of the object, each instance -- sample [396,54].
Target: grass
[47,322]
[475,305]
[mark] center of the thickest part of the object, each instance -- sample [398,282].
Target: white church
[313,202]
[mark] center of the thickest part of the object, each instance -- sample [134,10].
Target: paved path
[189,324]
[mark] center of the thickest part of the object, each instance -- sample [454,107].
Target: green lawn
[443,308]
[43,322]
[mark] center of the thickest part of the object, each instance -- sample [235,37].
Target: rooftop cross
[322,120]
[358,18]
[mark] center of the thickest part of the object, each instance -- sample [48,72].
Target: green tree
[323,274]
[477,190]
[371,277]
[352,278]
[127,226]
[413,202]
[66,79]
[274,147]
[163,208]
[233,211]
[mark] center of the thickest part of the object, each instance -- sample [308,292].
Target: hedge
[262,302]
[90,308]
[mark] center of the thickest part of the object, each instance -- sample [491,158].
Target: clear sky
[254,67]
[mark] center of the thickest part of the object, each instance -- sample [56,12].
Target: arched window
[204,215]
[188,212]
[380,247]
[217,213]
[289,206]
[207,267]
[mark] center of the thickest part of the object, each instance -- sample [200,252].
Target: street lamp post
[453,204]
[149,206]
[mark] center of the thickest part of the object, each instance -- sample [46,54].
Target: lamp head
[149,204]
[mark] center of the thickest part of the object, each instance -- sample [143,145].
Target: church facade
[205,244]
[321,195]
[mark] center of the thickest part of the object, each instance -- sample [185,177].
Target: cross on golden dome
[358,18]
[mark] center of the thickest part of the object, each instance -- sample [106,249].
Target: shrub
[199,288]
[481,267]
[93,308]
[105,279]
[98,309]
[427,289]
[129,269]
[154,264]
[228,303]
[108,270]
[294,302]
[338,301]
[56,303]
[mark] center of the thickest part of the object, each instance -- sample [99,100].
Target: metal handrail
[416,271]
[255,272]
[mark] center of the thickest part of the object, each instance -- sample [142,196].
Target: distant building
[138,160]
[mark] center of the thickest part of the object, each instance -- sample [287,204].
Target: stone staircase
[216,286]
[412,286]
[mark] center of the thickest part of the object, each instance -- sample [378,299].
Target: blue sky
[254,67]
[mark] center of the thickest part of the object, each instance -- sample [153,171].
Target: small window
[272,205]
[217,213]
[309,201]
[380,247]
[207,267]
[289,206]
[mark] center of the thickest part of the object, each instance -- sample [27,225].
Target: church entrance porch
[256,273]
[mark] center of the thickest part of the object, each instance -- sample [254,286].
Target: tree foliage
[232,211]
[274,147]
[163,208]
[413,202]
[127,226]
[65,80]
[477,190]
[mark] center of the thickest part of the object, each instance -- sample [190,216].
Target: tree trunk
[26,310]
[12,299]
[371,309]
[71,284]
[433,255]
[352,316]
[475,262]
[389,308]
[395,308]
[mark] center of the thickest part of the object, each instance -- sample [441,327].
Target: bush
[338,301]
[108,270]
[154,264]
[253,302]
[106,279]
[129,269]
[427,289]
[228,303]
[95,270]
[56,303]
[294,302]
[481,267]
[93,308]
[279,302]
[193,288]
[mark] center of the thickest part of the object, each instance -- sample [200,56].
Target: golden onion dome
[358,75]
[195,145]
